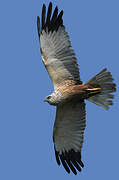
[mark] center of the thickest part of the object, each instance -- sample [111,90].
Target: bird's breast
[77,92]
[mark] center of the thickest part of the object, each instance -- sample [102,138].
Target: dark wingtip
[71,160]
[56,8]
[43,15]
[38,25]
[38,22]
[49,13]
[51,24]
[62,12]
[65,164]
[44,6]
[57,157]
[54,16]
[50,4]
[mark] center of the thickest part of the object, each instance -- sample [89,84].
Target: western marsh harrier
[69,91]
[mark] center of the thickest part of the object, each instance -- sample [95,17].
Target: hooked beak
[45,100]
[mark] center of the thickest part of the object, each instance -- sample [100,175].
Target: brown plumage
[80,91]
[69,92]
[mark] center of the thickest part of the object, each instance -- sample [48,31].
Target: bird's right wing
[68,135]
[56,50]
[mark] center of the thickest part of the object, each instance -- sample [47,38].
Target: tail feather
[103,80]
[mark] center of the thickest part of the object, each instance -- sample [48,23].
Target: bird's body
[69,92]
[66,93]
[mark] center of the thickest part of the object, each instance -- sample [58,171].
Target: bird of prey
[69,92]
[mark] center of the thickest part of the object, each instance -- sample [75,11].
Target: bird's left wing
[57,54]
[68,135]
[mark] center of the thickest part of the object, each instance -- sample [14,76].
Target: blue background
[26,122]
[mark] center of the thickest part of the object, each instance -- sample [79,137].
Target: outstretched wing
[68,135]
[57,54]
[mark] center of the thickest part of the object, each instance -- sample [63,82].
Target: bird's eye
[48,97]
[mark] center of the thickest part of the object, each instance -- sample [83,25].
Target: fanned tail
[104,81]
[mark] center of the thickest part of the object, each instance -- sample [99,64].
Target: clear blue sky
[26,122]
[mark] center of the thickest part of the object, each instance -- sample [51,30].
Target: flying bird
[69,92]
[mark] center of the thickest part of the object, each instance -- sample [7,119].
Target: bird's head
[51,99]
